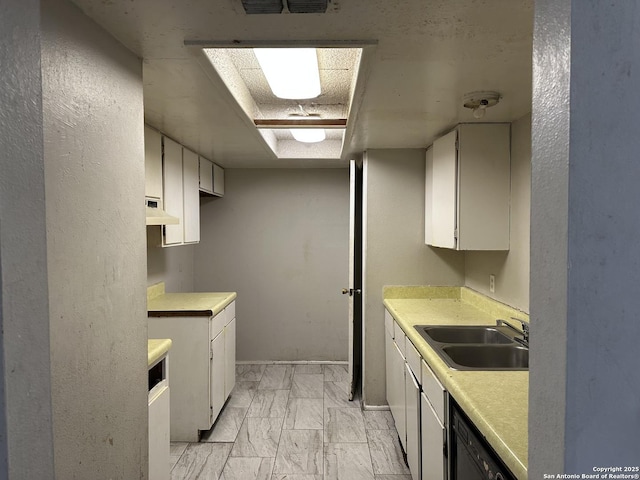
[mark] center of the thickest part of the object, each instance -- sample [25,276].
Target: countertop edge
[183,306]
[157,348]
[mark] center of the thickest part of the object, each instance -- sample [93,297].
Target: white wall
[279,237]
[510,268]
[26,448]
[94,185]
[173,266]
[395,252]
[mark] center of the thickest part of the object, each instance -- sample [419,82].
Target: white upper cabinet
[206,175]
[468,176]
[211,178]
[191,196]
[181,198]
[152,163]
[218,180]
[173,192]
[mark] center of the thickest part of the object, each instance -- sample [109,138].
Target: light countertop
[157,348]
[160,303]
[496,401]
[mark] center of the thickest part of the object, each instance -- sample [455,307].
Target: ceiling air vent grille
[276,6]
[262,6]
[307,6]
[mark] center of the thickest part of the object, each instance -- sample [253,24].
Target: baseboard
[291,362]
[375,407]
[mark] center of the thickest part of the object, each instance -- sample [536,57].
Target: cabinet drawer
[217,324]
[400,339]
[414,359]
[434,391]
[230,311]
[388,323]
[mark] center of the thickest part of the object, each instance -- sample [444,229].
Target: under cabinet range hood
[156,215]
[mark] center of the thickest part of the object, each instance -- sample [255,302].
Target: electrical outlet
[492,283]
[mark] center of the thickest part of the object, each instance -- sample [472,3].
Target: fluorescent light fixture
[308,135]
[292,73]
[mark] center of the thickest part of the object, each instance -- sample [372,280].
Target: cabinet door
[217,395]
[398,409]
[206,175]
[395,386]
[434,391]
[433,443]
[484,179]
[412,397]
[152,163]
[159,457]
[444,193]
[191,196]
[218,180]
[229,357]
[173,196]
[389,373]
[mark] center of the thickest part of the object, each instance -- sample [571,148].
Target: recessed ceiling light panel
[292,73]
[308,135]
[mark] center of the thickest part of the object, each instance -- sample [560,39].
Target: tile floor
[293,422]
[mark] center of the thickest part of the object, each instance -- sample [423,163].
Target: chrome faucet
[525,330]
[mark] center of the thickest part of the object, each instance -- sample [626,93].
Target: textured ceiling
[429,53]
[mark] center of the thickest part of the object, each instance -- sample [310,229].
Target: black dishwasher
[471,457]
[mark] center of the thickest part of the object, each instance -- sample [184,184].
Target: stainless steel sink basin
[476,347]
[465,334]
[488,357]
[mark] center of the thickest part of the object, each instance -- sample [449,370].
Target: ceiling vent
[262,6]
[307,6]
[252,7]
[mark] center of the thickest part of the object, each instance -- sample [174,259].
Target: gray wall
[395,252]
[25,396]
[279,237]
[585,256]
[510,268]
[94,185]
[172,265]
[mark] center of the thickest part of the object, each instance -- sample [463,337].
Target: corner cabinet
[468,183]
[211,178]
[202,368]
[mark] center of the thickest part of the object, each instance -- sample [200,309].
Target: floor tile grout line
[236,437]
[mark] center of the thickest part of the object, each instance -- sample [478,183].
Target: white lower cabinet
[418,405]
[202,356]
[229,356]
[218,394]
[433,443]
[412,395]
[433,422]
[158,412]
[395,372]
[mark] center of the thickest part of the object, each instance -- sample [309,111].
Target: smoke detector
[480,101]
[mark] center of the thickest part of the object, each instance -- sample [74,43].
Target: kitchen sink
[476,347]
[465,334]
[489,357]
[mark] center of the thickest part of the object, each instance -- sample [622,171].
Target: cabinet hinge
[455,233]
[210,353]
